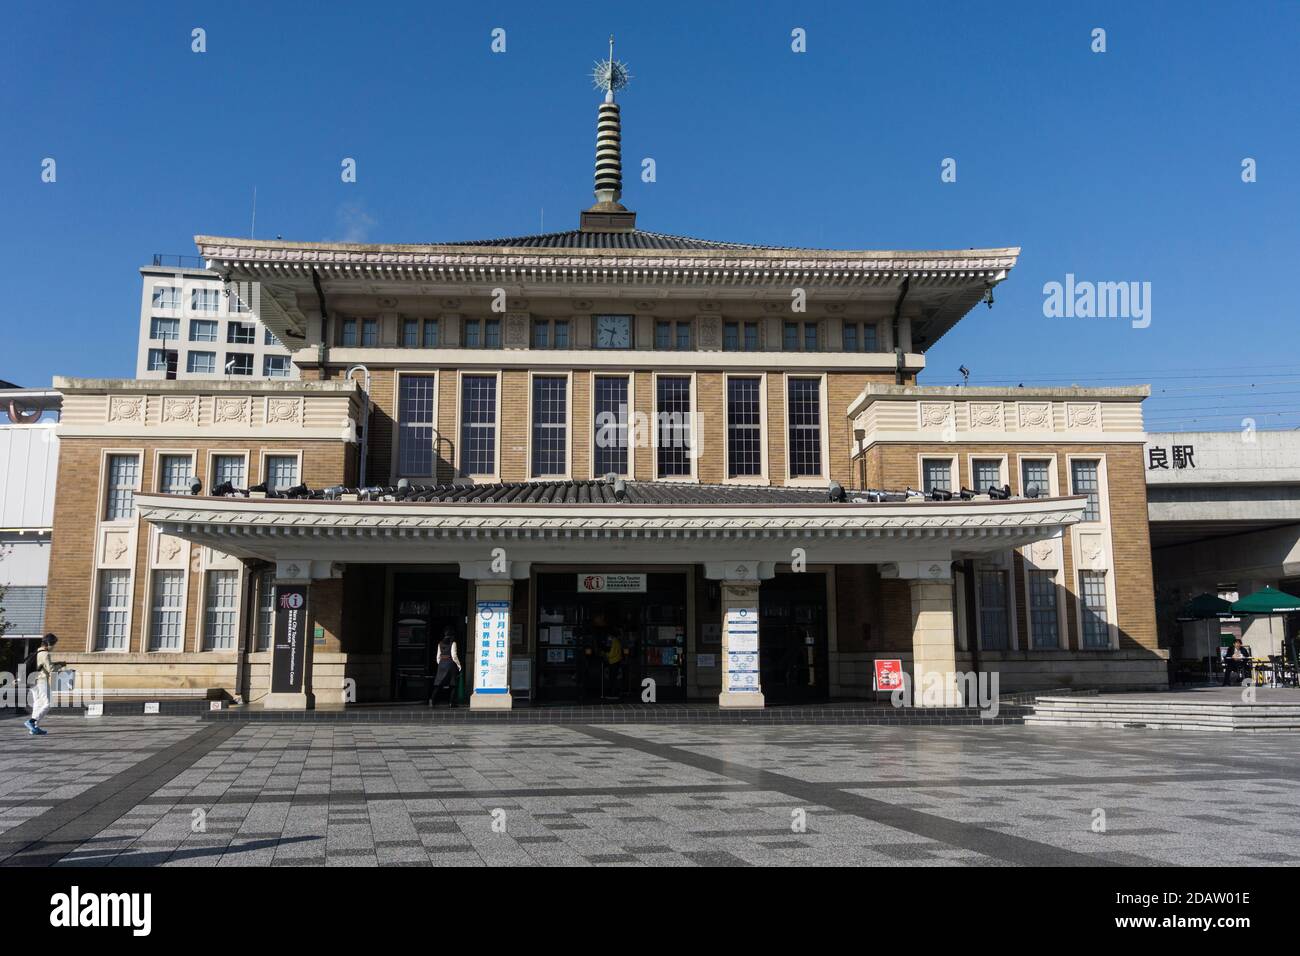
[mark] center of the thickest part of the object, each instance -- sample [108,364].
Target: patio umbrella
[1267,601]
[1208,606]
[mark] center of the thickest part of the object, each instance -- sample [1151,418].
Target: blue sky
[1115,166]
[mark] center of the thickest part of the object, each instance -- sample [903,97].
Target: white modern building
[29,464]
[192,326]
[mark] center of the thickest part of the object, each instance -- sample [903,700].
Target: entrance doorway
[423,604]
[792,658]
[594,645]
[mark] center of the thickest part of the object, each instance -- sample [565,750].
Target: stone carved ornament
[231,410]
[180,410]
[126,409]
[281,410]
[1083,416]
[934,414]
[985,414]
[1035,414]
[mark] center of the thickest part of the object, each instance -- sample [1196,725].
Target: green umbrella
[1267,601]
[1207,606]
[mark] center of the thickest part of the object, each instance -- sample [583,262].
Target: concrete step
[1177,712]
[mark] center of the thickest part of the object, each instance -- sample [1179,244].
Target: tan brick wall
[79,504]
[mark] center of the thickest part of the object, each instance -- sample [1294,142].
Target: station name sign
[611,583]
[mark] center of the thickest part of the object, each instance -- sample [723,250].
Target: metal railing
[178,261]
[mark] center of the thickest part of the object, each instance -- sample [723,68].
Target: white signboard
[492,648]
[151,707]
[95,710]
[741,625]
[611,583]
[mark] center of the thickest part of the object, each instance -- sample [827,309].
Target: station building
[719,453]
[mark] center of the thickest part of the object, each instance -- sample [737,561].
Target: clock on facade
[613,331]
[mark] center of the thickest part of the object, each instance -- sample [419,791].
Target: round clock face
[613,332]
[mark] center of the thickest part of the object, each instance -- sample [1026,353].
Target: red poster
[889,675]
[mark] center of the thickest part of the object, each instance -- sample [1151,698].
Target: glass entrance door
[792,659]
[423,605]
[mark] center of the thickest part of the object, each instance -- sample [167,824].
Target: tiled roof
[599,491]
[634,239]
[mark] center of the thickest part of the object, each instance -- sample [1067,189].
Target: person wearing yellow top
[614,665]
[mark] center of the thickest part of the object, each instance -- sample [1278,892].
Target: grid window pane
[220,610]
[751,336]
[166,297]
[205,300]
[201,362]
[238,333]
[174,473]
[561,330]
[994,632]
[281,472]
[673,408]
[370,333]
[167,610]
[663,335]
[1036,472]
[158,360]
[348,332]
[790,336]
[988,472]
[492,334]
[936,475]
[611,425]
[275,366]
[684,336]
[810,336]
[850,337]
[478,424]
[410,333]
[227,468]
[869,338]
[110,616]
[1092,595]
[744,428]
[239,363]
[731,337]
[804,411]
[550,425]
[471,333]
[430,333]
[265,609]
[123,476]
[541,333]
[1043,622]
[203,330]
[167,330]
[1084,481]
[416,425]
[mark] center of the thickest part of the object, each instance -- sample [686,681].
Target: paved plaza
[182,791]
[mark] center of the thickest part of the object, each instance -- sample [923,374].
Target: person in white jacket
[41,681]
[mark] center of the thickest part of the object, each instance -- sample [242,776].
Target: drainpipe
[898,349]
[323,350]
[365,424]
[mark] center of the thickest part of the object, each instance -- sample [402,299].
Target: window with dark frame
[1084,480]
[804,415]
[167,609]
[936,474]
[478,424]
[1036,472]
[988,473]
[415,425]
[550,425]
[1092,599]
[1044,624]
[995,632]
[744,427]
[609,405]
[123,476]
[673,441]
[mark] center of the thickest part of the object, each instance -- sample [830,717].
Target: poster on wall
[611,584]
[741,625]
[289,650]
[492,648]
[888,674]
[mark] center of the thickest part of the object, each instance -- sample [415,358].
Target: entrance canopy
[639,522]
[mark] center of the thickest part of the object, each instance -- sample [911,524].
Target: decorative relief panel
[985,415]
[126,408]
[935,415]
[182,410]
[116,547]
[1085,415]
[169,551]
[709,331]
[516,334]
[1034,416]
[228,411]
[283,411]
[1043,555]
[1092,551]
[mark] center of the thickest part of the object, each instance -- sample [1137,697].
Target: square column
[487,636]
[934,649]
[741,684]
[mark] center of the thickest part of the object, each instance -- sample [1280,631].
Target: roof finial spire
[611,76]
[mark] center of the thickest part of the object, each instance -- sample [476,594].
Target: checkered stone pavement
[181,791]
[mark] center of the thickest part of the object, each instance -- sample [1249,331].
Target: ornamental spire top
[608,215]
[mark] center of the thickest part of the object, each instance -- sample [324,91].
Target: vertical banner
[289,650]
[742,649]
[492,648]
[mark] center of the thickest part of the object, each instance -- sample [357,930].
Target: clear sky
[1117,166]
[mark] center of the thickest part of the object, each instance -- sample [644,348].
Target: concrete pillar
[741,683]
[487,653]
[934,651]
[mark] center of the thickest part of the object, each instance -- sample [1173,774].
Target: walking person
[41,668]
[448,667]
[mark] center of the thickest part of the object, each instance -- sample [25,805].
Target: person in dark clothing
[448,667]
[1236,661]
